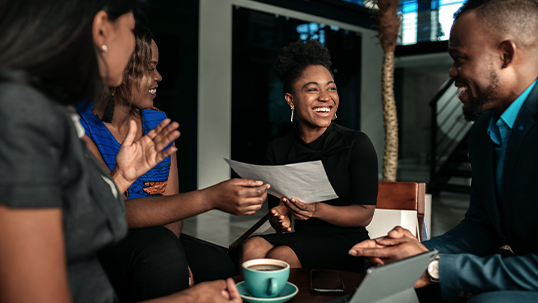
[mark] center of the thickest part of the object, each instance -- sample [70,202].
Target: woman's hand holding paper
[300,210]
[280,218]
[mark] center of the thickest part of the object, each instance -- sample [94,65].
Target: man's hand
[300,210]
[397,245]
[398,232]
[280,217]
[136,158]
[368,244]
[238,196]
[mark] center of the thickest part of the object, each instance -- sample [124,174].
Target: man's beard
[474,109]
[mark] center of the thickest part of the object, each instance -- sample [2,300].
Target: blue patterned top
[151,184]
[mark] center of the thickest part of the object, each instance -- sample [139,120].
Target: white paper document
[306,181]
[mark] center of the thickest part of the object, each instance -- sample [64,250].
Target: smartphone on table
[326,281]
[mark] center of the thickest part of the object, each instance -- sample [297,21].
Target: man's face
[475,70]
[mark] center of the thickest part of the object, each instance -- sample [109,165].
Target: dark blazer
[469,264]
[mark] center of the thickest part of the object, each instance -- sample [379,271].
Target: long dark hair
[48,44]
[138,64]
[136,68]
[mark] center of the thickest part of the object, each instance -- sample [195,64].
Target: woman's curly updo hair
[296,57]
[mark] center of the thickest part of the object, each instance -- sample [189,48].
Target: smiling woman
[324,231]
[315,99]
[152,260]
[106,128]
[141,76]
[107,125]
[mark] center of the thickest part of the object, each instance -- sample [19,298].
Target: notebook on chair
[390,283]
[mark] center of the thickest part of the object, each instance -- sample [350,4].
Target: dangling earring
[292,108]
[109,110]
[104,48]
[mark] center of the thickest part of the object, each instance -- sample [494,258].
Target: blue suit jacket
[469,264]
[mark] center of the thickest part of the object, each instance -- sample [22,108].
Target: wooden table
[301,278]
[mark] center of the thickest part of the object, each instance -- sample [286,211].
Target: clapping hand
[136,158]
[279,217]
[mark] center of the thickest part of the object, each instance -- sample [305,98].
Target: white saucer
[288,292]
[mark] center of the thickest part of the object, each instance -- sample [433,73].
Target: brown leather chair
[405,196]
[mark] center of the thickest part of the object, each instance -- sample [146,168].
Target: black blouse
[350,162]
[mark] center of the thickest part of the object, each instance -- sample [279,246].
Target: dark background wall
[257,39]
[175,28]
[259,111]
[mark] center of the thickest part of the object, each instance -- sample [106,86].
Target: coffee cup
[265,278]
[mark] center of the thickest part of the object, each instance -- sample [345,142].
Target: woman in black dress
[324,231]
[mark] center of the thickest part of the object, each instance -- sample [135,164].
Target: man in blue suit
[494,46]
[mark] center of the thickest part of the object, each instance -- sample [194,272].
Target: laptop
[390,283]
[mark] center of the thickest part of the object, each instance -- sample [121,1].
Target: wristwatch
[433,269]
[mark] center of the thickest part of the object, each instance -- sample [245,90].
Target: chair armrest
[235,245]
[233,249]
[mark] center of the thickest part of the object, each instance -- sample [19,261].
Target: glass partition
[427,20]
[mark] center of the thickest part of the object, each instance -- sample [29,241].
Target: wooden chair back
[404,196]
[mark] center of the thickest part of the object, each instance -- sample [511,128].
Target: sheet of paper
[306,181]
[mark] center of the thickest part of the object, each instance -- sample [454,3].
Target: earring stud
[104,48]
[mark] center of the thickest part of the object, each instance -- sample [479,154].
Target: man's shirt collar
[510,114]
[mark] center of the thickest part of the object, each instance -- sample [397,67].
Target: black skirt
[323,250]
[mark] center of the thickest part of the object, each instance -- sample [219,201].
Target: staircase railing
[449,129]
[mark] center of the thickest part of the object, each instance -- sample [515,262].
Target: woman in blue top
[151,261]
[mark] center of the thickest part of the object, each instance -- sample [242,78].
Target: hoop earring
[104,48]
[292,108]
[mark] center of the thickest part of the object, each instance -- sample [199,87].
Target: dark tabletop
[301,278]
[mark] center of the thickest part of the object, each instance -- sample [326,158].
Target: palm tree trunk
[390,156]
[388,28]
